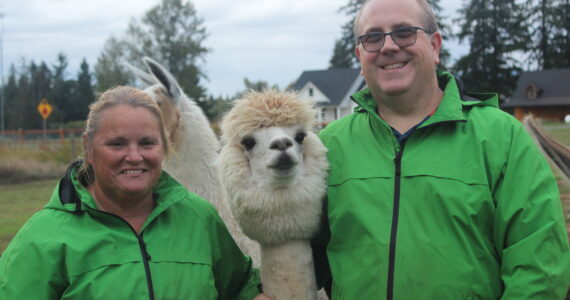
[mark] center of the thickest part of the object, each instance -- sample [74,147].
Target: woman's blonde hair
[121,95]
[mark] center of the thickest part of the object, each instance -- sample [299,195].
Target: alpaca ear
[164,77]
[146,78]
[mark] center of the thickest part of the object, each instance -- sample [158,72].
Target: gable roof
[552,88]
[334,83]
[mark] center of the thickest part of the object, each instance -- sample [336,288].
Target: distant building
[331,90]
[545,94]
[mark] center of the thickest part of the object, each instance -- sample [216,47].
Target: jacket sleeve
[30,266]
[233,271]
[529,230]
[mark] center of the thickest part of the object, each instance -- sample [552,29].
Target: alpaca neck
[287,271]
[195,152]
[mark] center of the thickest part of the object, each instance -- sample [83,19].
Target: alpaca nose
[281,144]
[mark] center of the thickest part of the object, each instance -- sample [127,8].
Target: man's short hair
[429,19]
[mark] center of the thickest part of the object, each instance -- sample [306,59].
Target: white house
[331,90]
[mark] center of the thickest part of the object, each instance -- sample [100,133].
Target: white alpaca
[273,169]
[195,146]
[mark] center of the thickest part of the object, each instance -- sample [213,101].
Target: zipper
[394,228]
[145,256]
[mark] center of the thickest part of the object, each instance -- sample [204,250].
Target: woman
[118,227]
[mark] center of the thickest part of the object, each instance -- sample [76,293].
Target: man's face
[394,71]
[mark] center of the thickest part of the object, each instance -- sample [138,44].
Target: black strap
[67,193]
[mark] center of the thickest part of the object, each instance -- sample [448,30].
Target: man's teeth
[394,66]
[132,172]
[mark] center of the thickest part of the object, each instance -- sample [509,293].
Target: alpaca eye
[300,137]
[248,143]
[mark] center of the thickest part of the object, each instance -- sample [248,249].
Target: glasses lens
[405,37]
[372,41]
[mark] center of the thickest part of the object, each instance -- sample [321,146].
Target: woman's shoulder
[41,231]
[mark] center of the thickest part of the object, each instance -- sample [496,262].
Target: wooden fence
[22,136]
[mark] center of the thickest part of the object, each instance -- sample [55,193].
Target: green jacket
[72,250]
[465,208]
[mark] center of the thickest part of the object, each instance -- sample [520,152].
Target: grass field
[19,202]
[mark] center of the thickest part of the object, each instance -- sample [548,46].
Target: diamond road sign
[44,108]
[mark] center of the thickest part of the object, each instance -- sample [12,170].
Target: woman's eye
[115,144]
[148,143]
[248,143]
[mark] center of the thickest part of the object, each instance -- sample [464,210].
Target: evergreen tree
[83,94]
[61,99]
[25,107]
[343,52]
[40,81]
[11,113]
[496,33]
[549,25]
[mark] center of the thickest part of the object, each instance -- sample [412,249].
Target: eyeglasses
[402,37]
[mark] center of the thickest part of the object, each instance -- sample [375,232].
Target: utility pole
[2,110]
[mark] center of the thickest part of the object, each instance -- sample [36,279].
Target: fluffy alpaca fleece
[273,169]
[195,146]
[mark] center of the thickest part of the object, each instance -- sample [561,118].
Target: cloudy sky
[270,40]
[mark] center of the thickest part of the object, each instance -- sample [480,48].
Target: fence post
[73,146]
[21,136]
[61,135]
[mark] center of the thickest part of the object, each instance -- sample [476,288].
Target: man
[433,194]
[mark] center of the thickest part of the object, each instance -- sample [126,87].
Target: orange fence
[21,136]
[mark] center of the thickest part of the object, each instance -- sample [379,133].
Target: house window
[533,91]
[310,92]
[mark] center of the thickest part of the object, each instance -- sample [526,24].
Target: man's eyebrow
[395,26]
[402,24]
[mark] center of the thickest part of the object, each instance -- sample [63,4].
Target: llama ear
[146,78]
[164,77]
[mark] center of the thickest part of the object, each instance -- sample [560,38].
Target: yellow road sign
[44,108]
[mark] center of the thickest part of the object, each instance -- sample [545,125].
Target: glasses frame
[391,33]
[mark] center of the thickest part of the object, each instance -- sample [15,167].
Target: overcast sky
[270,40]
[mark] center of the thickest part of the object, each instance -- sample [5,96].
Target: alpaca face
[275,154]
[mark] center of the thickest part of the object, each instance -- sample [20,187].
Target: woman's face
[126,153]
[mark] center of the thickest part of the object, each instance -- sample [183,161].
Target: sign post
[45,109]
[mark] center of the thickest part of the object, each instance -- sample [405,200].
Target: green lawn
[18,203]
[559,131]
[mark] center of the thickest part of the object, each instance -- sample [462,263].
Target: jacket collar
[72,196]
[451,107]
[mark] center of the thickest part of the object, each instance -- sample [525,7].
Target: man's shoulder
[341,125]
[490,116]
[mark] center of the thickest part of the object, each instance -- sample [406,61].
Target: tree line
[505,37]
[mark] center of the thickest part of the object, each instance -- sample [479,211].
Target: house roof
[551,88]
[334,83]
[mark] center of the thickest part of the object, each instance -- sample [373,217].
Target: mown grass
[35,160]
[19,202]
[559,131]
[28,175]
